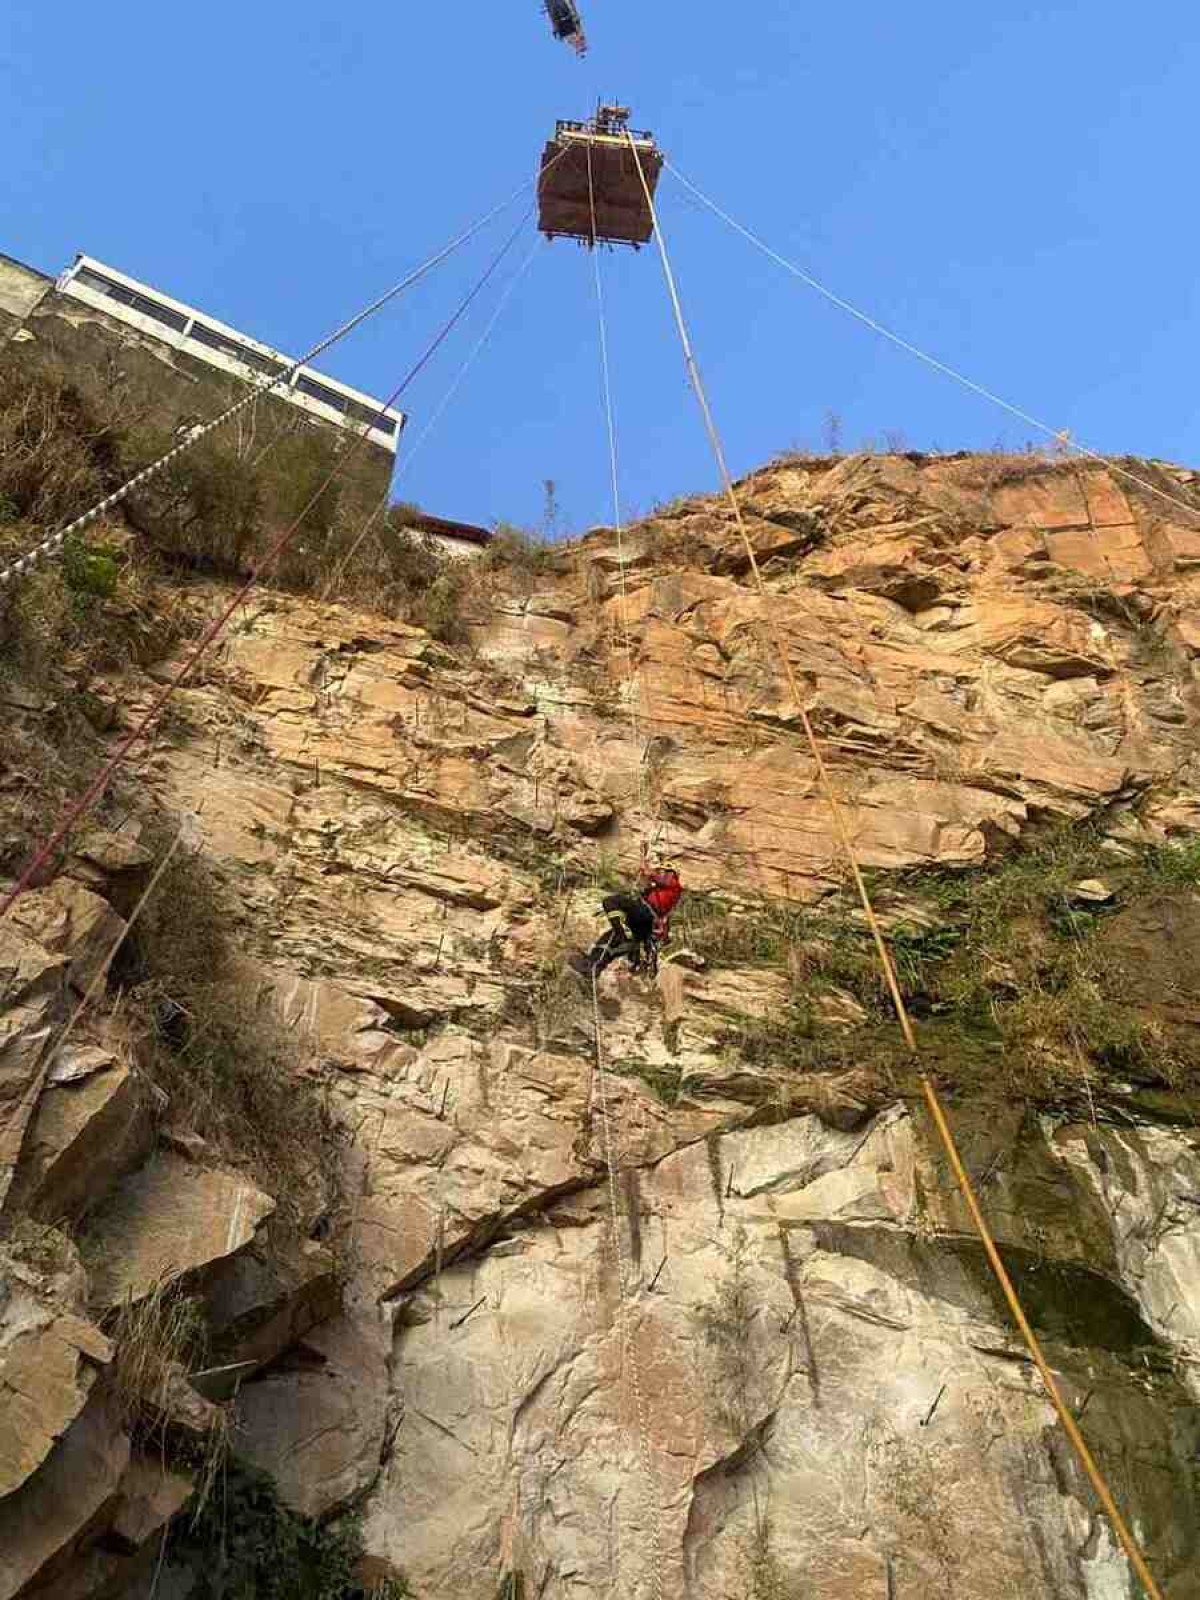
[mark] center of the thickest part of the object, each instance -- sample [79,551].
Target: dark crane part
[623,215]
[567,24]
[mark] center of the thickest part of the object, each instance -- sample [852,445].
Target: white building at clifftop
[194,333]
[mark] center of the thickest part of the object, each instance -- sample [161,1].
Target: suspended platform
[622,213]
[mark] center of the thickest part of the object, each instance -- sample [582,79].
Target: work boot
[597,958]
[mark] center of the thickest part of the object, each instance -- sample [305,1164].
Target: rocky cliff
[691,1307]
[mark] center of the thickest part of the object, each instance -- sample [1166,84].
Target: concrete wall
[21,288]
[165,387]
[165,320]
[457,549]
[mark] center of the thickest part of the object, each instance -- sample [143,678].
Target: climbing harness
[933,1099]
[641,954]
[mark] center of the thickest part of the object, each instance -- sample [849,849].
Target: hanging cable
[632,671]
[476,351]
[79,807]
[54,544]
[1057,435]
[406,460]
[932,1098]
[629,1356]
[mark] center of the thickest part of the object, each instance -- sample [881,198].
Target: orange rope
[932,1098]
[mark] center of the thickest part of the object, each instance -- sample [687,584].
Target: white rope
[477,350]
[435,417]
[629,1356]
[54,544]
[629,1360]
[632,671]
[1128,1539]
[1060,437]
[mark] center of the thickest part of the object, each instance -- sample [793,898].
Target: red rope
[99,784]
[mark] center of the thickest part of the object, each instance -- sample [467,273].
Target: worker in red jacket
[638,923]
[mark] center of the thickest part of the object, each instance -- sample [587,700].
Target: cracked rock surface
[700,1324]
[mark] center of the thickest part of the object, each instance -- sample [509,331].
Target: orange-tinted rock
[412,838]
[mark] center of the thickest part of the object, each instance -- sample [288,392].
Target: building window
[366,416]
[93,280]
[129,297]
[318,391]
[213,340]
[362,413]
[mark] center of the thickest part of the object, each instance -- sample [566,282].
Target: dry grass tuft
[156,1339]
[217,508]
[988,470]
[56,454]
[726,1324]
[230,1069]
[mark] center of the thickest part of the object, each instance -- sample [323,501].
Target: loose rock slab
[49,1362]
[171,1220]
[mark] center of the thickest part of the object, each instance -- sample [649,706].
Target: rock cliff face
[691,1314]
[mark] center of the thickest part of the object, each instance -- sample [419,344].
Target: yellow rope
[932,1098]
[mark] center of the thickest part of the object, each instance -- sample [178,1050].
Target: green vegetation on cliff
[1023,988]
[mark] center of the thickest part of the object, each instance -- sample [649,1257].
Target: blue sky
[1012,187]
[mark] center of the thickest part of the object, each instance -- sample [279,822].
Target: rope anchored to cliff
[407,457]
[632,671]
[629,1355]
[79,807]
[53,546]
[1060,437]
[933,1100]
